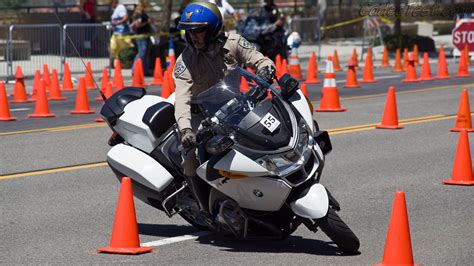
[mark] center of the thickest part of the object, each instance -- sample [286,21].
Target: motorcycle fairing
[139,166]
[256,193]
[301,105]
[314,204]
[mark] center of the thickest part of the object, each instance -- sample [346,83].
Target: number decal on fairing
[270,122]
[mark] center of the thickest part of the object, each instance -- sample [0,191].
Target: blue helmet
[201,15]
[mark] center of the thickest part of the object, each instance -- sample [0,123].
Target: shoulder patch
[179,69]
[246,44]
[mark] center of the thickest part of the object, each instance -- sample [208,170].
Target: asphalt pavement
[58,198]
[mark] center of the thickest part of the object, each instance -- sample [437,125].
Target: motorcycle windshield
[263,125]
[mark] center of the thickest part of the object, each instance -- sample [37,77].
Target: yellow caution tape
[386,20]
[141,36]
[340,24]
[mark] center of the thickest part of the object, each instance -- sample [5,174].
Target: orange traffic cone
[158,73]
[304,90]
[368,76]
[295,68]
[103,83]
[109,91]
[171,81]
[19,73]
[41,106]
[278,65]
[284,67]
[19,91]
[165,87]
[442,65]
[462,168]
[415,55]
[89,77]
[82,101]
[138,78]
[351,79]
[385,62]
[244,86]
[405,58]
[36,84]
[411,70]
[425,69]
[468,57]
[330,97]
[67,80]
[337,66]
[118,79]
[312,75]
[463,120]
[390,114]
[54,91]
[4,109]
[398,250]
[125,239]
[463,70]
[354,57]
[398,63]
[46,77]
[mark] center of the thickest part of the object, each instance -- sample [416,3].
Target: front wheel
[338,231]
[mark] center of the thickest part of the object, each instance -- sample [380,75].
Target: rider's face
[198,37]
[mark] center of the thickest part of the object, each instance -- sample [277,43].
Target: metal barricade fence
[32,46]
[3,52]
[92,42]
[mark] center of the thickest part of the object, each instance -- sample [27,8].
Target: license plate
[270,122]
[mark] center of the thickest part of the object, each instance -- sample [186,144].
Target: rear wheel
[338,231]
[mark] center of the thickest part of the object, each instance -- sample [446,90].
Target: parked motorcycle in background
[268,38]
[261,158]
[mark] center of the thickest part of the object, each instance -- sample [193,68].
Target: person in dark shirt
[142,27]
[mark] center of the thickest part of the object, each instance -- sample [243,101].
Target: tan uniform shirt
[195,71]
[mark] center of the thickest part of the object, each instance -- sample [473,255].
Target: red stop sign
[464,34]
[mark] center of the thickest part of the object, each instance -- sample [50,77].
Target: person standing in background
[225,8]
[141,26]
[120,27]
[88,8]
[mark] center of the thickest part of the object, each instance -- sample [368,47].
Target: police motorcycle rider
[210,54]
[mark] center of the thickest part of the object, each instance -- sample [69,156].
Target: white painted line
[19,109]
[378,78]
[175,239]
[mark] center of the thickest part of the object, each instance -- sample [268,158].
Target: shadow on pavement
[165,230]
[293,244]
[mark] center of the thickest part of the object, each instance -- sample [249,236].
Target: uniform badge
[246,44]
[179,69]
[188,15]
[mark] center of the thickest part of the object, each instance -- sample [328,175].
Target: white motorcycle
[261,158]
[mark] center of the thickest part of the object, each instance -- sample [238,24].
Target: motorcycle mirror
[288,85]
[218,144]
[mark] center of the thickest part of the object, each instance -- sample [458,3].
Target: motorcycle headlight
[287,162]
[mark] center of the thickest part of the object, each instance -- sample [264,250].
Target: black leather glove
[188,138]
[267,73]
[257,93]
